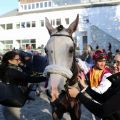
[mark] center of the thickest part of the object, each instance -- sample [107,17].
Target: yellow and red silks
[95,76]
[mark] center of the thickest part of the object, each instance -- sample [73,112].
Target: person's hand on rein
[73,92]
[81,79]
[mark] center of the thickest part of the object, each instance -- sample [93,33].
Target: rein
[73,81]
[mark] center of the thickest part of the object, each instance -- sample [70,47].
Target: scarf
[15,67]
[95,77]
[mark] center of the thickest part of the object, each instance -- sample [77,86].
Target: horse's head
[60,50]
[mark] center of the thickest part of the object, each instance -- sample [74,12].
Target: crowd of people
[100,81]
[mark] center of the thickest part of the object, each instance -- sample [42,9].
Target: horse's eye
[71,50]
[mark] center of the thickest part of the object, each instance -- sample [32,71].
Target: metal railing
[93,1]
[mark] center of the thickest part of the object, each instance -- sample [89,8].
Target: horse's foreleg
[57,115]
[75,112]
[57,112]
[75,116]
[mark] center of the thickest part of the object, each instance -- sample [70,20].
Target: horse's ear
[73,26]
[48,26]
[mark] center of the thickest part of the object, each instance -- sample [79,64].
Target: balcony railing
[93,1]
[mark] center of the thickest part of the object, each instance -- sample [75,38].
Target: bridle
[74,68]
[62,35]
[60,28]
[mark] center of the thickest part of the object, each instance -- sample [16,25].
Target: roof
[31,1]
[15,12]
[10,13]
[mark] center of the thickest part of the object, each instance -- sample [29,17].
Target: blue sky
[7,5]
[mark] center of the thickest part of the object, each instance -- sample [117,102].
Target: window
[42,23]
[28,24]
[41,5]
[49,4]
[25,41]
[25,7]
[52,22]
[9,26]
[85,41]
[33,46]
[23,25]
[8,42]
[67,21]
[33,41]
[23,47]
[85,19]
[33,6]
[58,21]
[8,47]
[2,26]
[18,25]
[45,4]
[29,6]
[33,24]
[37,5]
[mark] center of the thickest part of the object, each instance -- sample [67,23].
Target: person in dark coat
[26,61]
[12,74]
[107,106]
[39,64]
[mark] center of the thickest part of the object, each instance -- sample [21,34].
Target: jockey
[97,75]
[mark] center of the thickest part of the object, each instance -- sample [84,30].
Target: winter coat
[14,75]
[14,85]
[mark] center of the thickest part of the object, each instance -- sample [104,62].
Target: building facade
[99,23]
